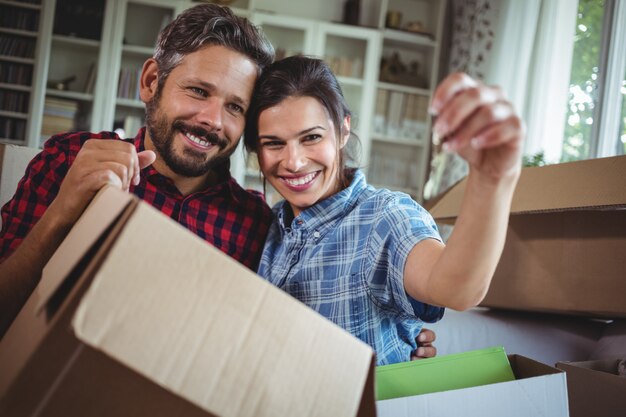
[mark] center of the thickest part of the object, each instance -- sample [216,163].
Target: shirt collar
[326,213]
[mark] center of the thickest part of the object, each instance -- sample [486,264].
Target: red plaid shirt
[232,219]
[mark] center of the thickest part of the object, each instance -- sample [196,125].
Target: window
[595,125]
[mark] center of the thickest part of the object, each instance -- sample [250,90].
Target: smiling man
[196,89]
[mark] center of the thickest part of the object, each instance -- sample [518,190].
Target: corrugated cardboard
[154,321]
[566,239]
[539,390]
[443,373]
[594,388]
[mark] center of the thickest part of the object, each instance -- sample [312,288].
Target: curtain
[526,48]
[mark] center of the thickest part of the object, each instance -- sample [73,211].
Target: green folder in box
[443,373]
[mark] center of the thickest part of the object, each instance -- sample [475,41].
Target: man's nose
[210,114]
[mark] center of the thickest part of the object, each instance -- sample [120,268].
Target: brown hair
[301,76]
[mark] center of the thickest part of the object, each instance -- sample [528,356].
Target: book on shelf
[395,113]
[413,124]
[12,128]
[11,45]
[131,126]
[90,81]
[380,111]
[128,84]
[58,116]
[14,101]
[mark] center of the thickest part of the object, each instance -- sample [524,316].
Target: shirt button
[316,234]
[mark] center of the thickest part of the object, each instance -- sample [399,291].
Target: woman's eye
[312,138]
[271,144]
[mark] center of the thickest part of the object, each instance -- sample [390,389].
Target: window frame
[607,112]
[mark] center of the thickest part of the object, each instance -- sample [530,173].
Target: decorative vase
[351,12]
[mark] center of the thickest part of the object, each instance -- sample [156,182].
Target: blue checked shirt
[345,257]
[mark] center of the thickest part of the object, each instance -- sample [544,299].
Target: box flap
[589,184]
[594,388]
[182,313]
[94,230]
[106,206]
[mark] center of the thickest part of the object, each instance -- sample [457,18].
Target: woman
[372,260]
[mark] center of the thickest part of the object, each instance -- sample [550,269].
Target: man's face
[197,119]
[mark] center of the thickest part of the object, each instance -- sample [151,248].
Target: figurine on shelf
[392,68]
[417,27]
[62,85]
[351,12]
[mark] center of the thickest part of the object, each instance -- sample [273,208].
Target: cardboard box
[136,316]
[539,390]
[594,388]
[13,162]
[566,240]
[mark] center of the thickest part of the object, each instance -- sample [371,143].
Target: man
[196,88]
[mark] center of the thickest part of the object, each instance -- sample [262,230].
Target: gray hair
[209,24]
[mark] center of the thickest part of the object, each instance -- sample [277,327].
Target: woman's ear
[149,80]
[345,131]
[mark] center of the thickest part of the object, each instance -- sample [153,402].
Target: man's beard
[192,163]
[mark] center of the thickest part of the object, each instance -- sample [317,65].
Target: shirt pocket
[343,300]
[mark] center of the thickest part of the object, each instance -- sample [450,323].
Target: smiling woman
[371,260]
[298,147]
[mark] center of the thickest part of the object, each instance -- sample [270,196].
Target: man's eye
[236,108]
[198,91]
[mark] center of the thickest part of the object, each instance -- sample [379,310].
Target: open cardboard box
[136,316]
[538,390]
[595,388]
[566,239]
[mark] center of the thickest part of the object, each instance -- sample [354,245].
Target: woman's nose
[295,158]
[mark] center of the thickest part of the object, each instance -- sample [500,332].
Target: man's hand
[98,163]
[425,348]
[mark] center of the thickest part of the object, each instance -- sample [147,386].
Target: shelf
[19,32]
[72,40]
[398,36]
[352,81]
[143,51]
[397,140]
[21,5]
[13,115]
[75,95]
[11,141]
[125,102]
[17,59]
[404,89]
[16,87]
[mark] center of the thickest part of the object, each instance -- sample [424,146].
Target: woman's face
[298,151]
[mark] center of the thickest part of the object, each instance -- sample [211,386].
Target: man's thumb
[146,158]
